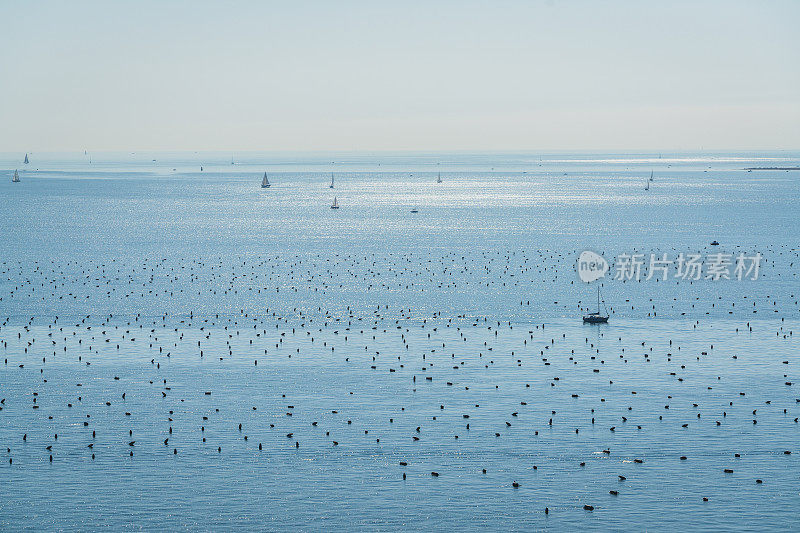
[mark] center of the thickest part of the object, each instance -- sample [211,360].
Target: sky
[414,75]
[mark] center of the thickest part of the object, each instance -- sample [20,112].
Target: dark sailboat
[596,317]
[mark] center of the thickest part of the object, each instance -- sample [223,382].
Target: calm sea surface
[182,349]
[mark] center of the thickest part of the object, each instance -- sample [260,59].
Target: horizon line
[412,151]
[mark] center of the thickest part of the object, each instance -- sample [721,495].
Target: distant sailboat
[265,181]
[596,317]
[439,178]
[26,159]
[335,204]
[15,179]
[646,185]
[651,175]
[331,180]
[414,210]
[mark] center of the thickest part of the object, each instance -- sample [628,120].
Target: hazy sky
[372,75]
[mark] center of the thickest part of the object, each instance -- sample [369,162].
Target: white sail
[15,179]
[335,204]
[265,181]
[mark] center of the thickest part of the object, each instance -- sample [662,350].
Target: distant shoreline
[773,168]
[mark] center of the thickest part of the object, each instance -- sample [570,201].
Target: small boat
[646,185]
[26,159]
[414,210]
[15,179]
[265,182]
[596,317]
[714,243]
[651,175]
[331,186]
[335,204]
[439,178]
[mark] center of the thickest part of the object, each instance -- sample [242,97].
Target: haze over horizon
[361,76]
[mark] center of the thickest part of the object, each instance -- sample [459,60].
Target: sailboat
[651,175]
[596,317]
[414,209]
[15,179]
[331,180]
[335,204]
[26,159]
[265,182]
[646,185]
[439,178]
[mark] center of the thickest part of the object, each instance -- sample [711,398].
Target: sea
[183,349]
